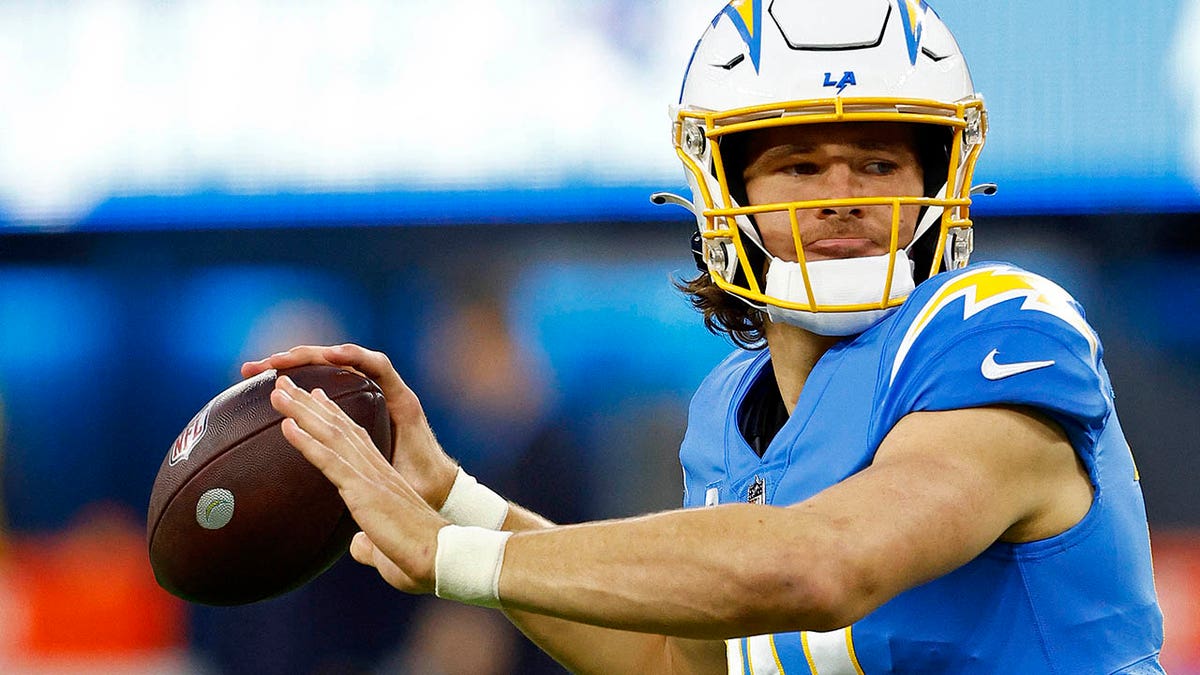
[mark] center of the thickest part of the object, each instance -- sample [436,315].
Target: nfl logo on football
[182,447]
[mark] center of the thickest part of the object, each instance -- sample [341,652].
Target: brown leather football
[237,514]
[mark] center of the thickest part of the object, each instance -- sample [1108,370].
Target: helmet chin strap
[846,281]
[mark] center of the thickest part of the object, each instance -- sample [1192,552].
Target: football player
[911,464]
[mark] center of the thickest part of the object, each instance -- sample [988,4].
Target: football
[237,514]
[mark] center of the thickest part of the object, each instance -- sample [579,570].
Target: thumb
[363,550]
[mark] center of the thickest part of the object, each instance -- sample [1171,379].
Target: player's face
[833,161]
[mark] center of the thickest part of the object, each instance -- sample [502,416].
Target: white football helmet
[772,63]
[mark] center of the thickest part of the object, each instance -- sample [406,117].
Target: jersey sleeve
[1031,348]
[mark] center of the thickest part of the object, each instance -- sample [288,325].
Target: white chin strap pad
[848,281]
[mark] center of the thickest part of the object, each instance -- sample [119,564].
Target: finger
[339,461]
[296,356]
[327,404]
[322,405]
[321,418]
[334,414]
[252,368]
[364,551]
[298,405]
[333,466]
[373,364]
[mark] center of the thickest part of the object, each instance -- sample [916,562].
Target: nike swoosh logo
[998,371]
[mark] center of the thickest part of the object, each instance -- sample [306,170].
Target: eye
[881,168]
[801,169]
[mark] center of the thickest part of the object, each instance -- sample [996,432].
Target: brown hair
[725,313]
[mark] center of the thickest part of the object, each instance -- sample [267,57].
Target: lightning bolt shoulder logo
[746,16]
[987,287]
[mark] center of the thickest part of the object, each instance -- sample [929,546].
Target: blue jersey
[1079,602]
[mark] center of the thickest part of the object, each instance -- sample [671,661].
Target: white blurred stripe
[762,656]
[829,653]
[733,655]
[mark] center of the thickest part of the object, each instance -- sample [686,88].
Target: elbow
[829,602]
[820,596]
[837,602]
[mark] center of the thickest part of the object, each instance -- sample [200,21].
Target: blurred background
[464,184]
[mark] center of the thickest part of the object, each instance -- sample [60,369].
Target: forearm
[586,649]
[672,573]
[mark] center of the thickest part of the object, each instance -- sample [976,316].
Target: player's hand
[416,453]
[400,527]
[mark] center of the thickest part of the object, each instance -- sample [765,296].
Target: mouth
[836,248]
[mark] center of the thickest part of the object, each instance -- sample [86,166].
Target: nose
[840,183]
[840,212]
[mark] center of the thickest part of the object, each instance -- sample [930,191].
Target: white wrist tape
[470,503]
[467,564]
